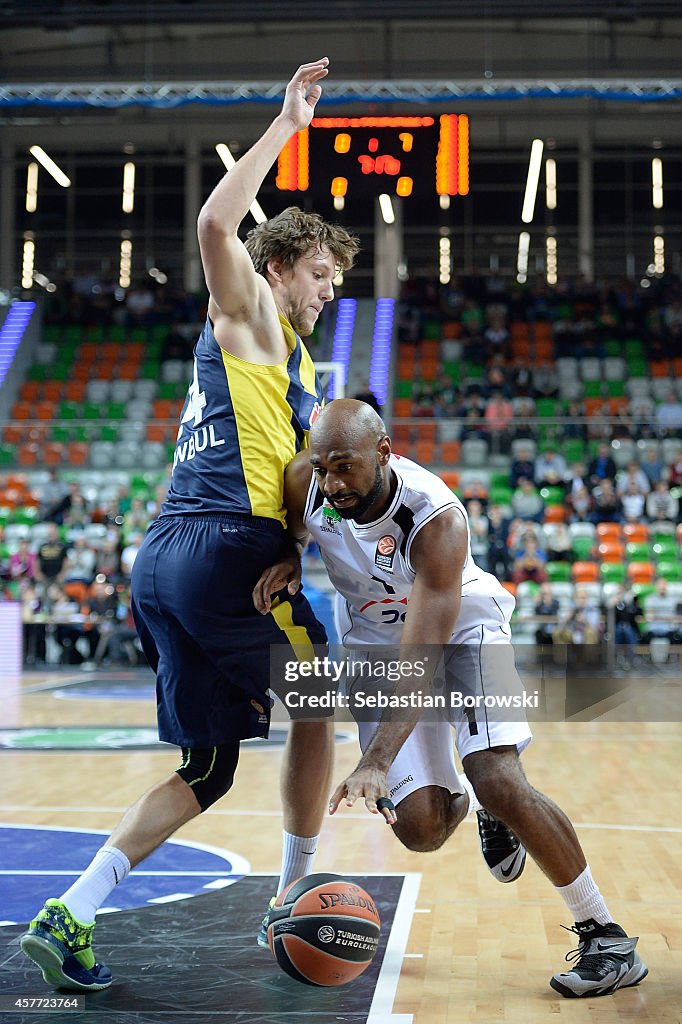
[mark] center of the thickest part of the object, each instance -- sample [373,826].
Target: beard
[364,501]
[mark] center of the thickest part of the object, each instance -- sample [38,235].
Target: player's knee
[499,782]
[209,771]
[422,824]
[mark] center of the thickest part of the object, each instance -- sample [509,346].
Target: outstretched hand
[286,573]
[303,92]
[369,783]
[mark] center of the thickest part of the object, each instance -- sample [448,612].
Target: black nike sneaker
[502,852]
[604,961]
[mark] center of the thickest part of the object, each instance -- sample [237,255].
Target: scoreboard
[367,156]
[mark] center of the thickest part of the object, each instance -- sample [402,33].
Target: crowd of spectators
[71,571]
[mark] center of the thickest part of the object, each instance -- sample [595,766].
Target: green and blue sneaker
[62,947]
[262,937]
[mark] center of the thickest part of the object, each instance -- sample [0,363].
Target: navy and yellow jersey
[240,426]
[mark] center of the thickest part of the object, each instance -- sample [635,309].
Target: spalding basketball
[324,930]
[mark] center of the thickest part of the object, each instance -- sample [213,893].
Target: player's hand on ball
[371,784]
[286,573]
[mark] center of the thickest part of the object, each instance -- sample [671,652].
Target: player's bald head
[347,423]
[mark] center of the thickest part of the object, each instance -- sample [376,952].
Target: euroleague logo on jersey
[385,552]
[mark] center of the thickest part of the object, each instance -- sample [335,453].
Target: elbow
[210,226]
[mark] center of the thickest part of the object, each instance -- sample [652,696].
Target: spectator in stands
[559,543]
[661,504]
[607,505]
[108,561]
[522,466]
[129,554]
[669,416]
[100,608]
[526,503]
[627,614]
[139,304]
[632,474]
[76,515]
[424,399]
[641,415]
[496,335]
[530,564]
[498,552]
[660,614]
[478,530]
[652,466]
[498,417]
[582,623]
[521,379]
[520,530]
[33,627]
[547,609]
[80,567]
[123,633]
[602,466]
[525,411]
[633,502]
[550,469]
[545,381]
[576,477]
[581,504]
[23,563]
[472,319]
[135,520]
[52,557]
[574,427]
[66,612]
[675,471]
[473,426]
[409,325]
[52,496]
[497,378]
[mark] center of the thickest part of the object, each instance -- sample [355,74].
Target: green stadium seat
[69,411]
[582,548]
[453,371]
[613,347]
[60,434]
[403,389]
[615,388]
[592,388]
[73,334]
[634,347]
[115,410]
[637,367]
[669,570]
[61,370]
[612,572]
[642,590]
[552,495]
[573,449]
[499,478]
[8,454]
[665,548]
[92,411]
[26,515]
[138,334]
[548,408]
[638,552]
[558,572]
[500,495]
[150,370]
[108,432]
[39,372]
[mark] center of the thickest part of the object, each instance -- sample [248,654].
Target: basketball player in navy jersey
[399,557]
[252,399]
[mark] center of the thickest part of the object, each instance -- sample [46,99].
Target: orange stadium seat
[450,477]
[44,410]
[636,533]
[430,351]
[426,432]
[544,350]
[520,348]
[555,514]
[616,405]
[542,331]
[450,452]
[52,454]
[641,572]
[519,329]
[401,435]
[77,453]
[452,329]
[425,453]
[402,407]
[611,550]
[27,455]
[127,370]
[76,590]
[608,530]
[52,390]
[585,572]
[29,391]
[659,368]
[13,434]
[428,371]
[22,411]
[593,406]
[74,390]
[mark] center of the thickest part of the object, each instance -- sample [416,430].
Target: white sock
[298,855]
[474,804]
[104,872]
[583,899]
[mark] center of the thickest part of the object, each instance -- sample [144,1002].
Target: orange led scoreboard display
[347,156]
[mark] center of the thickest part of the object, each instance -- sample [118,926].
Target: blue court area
[36,863]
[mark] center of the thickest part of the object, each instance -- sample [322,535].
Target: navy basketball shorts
[191,591]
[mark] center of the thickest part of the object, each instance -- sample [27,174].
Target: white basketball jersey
[369,563]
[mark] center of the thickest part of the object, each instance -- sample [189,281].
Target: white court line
[380,1012]
[74,809]
[159,874]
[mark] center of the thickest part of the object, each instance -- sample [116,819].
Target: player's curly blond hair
[293,233]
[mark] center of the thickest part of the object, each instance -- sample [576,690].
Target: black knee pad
[209,771]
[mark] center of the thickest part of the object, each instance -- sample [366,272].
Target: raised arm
[230,277]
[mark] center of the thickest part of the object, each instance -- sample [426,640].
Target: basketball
[324,930]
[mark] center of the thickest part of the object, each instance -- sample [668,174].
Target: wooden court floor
[478,952]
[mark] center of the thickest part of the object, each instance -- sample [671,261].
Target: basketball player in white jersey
[395,539]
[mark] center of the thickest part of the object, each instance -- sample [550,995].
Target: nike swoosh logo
[309,853]
[615,947]
[511,867]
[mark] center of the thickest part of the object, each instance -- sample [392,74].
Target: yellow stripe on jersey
[263,418]
[298,636]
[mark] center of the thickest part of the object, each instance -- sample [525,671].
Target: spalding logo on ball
[324,930]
